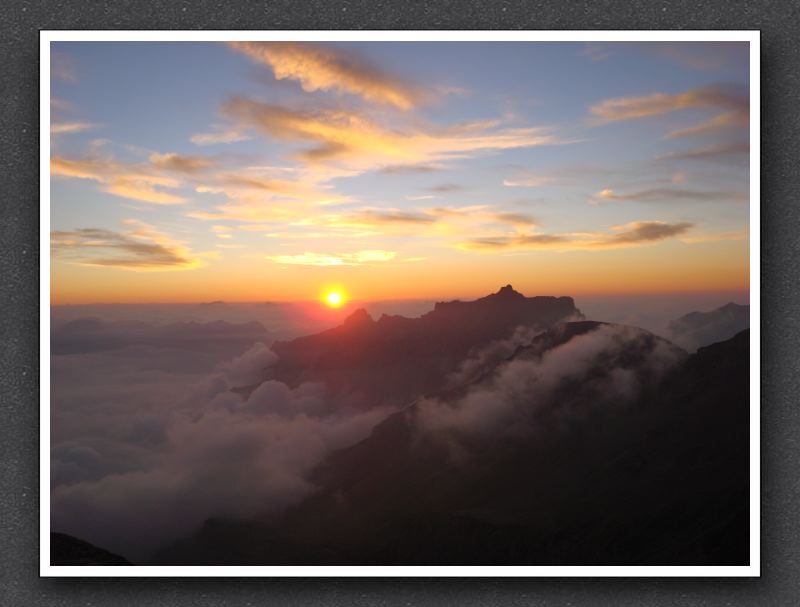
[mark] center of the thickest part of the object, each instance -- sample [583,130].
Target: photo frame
[516,584]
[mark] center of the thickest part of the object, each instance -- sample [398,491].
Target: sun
[334,299]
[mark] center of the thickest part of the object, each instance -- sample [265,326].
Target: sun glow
[334,299]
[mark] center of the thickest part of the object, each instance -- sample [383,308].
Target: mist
[149,442]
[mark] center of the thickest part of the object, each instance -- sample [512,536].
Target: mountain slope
[594,444]
[699,329]
[396,359]
[68,550]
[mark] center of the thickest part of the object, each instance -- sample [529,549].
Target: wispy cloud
[628,235]
[527,179]
[353,141]
[731,98]
[338,259]
[443,188]
[59,104]
[721,122]
[514,219]
[366,221]
[320,68]
[666,194]
[247,191]
[62,128]
[703,56]
[392,216]
[141,248]
[220,135]
[410,169]
[596,52]
[711,152]
[181,163]
[62,67]
[127,181]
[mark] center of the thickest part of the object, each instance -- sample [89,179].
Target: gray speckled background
[779,22]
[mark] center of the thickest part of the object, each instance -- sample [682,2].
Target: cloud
[542,392]
[62,67]
[180,163]
[528,181]
[140,188]
[59,104]
[148,445]
[220,135]
[141,248]
[632,234]
[721,122]
[664,194]
[233,182]
[127,181]
[410,169]
[642,232]
[320,68]
[62,128]
[595,52]
[515,219]
[734,100]
[711,152]
[358,258]
[353,142]
[445,187]
[248,369]
[432,221]
[476,214]
[629,108]
[373,217]
[247,191]
[703,56]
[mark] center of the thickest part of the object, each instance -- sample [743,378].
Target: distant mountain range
[699,329]
[95,335]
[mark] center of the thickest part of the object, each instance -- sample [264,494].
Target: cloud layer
[141,248]
[320,68]
[357,142]
[632,234]
[147,445]
[605,368]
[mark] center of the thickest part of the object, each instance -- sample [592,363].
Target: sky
[253,171]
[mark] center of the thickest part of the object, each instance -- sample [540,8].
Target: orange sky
[267,171]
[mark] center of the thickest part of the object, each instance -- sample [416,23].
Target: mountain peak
[359,317]
[508,292]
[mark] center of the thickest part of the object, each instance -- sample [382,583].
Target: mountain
[68,550]
[699,329]
[591,444]
[95,335]
[396,359]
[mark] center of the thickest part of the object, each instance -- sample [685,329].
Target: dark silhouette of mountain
[396,359]
[584,472]
[68,550]
[699,329]
[95,335]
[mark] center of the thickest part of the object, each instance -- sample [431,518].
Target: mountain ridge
[395,359]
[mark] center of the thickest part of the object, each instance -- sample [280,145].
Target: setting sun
[334,299]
